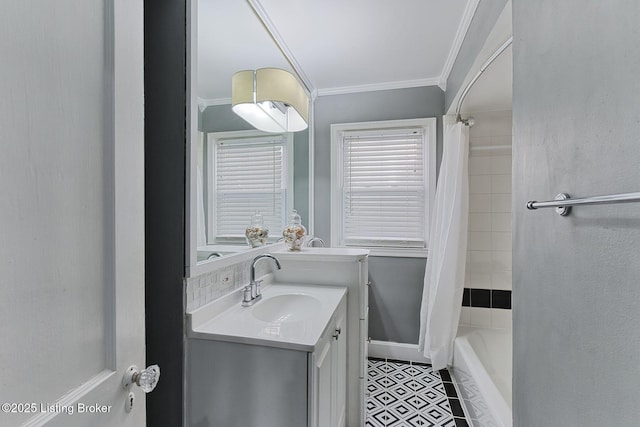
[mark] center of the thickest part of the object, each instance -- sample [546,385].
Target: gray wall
[484,19]
[576,284]
[221,118]
[397,283]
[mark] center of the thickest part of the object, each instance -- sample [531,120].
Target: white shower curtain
[444,275]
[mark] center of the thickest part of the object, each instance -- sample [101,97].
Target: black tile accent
[501,299]
[456,408]
[466,297]
[481,298]
[444,374]
[461,422]
[486,298]
[450,389]
[376,359]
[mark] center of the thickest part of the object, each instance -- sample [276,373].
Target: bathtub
[482,363]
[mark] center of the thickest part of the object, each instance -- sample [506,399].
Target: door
[71,211]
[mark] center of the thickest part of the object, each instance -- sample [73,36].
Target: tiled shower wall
[488,273]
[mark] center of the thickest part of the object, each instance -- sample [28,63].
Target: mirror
[226,37]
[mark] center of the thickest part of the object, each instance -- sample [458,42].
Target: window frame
[210,179]
[428,127]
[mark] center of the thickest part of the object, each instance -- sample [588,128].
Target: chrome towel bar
[563,202]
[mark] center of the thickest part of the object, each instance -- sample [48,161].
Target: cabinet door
[339,365]
[323,374]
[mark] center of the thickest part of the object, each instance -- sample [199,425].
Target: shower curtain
[444,275]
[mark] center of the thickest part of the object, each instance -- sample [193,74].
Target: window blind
[249,174]
[383,188]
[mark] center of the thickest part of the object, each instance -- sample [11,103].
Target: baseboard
[396,350]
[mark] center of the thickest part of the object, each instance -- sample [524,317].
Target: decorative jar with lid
[257,232]
[294,233]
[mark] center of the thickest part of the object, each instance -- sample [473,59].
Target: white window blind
[384,188]
[250,174]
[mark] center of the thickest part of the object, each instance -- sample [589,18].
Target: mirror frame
[192,267]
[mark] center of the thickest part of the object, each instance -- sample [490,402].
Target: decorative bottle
[294,233]
[257,232]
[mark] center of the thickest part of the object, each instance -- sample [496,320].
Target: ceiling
[335,46]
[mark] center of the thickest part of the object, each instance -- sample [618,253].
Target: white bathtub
[482,364]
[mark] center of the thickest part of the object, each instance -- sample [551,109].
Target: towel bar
[563,202]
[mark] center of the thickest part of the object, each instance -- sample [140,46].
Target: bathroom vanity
[295,358]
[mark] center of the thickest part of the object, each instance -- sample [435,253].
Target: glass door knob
[147,379]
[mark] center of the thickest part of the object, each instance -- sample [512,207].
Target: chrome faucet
[251,292]
[214,255]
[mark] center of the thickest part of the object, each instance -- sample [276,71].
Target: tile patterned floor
[409,394]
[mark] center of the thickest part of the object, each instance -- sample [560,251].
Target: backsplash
[201,290]
[488,271]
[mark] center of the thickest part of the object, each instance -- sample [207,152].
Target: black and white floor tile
[410,394]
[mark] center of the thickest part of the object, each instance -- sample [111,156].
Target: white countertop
[322,254]
[226,320]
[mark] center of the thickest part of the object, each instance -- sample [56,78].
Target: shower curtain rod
[492,58]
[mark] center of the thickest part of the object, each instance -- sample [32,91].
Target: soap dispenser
[257,232]
[294,233]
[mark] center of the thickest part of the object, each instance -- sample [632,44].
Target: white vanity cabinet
[339,267]
[232,381]
[328,371]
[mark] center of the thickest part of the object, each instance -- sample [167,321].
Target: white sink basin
[287,308]
[290,316]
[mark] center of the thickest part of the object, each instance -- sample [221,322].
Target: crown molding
[379,86]
[463,28]
[268,24]
[204,103]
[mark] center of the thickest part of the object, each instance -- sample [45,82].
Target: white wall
[489,243]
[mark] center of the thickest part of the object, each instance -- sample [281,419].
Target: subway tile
[480,222]
[465,316]
[480,184]
[480,317]
[479,140]
[500,299]
[479,166]
[502,140]
[501,261]
[501,203]
[500,222]
[481,298]
[479,241]
[501,280]
[480,203]
[501,319]
[501,165]
[501,184]
[480,262]
[480,280]
[501,241]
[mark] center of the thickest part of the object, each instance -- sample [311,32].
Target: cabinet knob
[337,333]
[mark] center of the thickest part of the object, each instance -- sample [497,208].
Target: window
[383,184]
[249,171]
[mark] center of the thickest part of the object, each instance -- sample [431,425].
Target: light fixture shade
[270,99]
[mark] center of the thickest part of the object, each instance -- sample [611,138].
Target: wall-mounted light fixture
[270,99]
